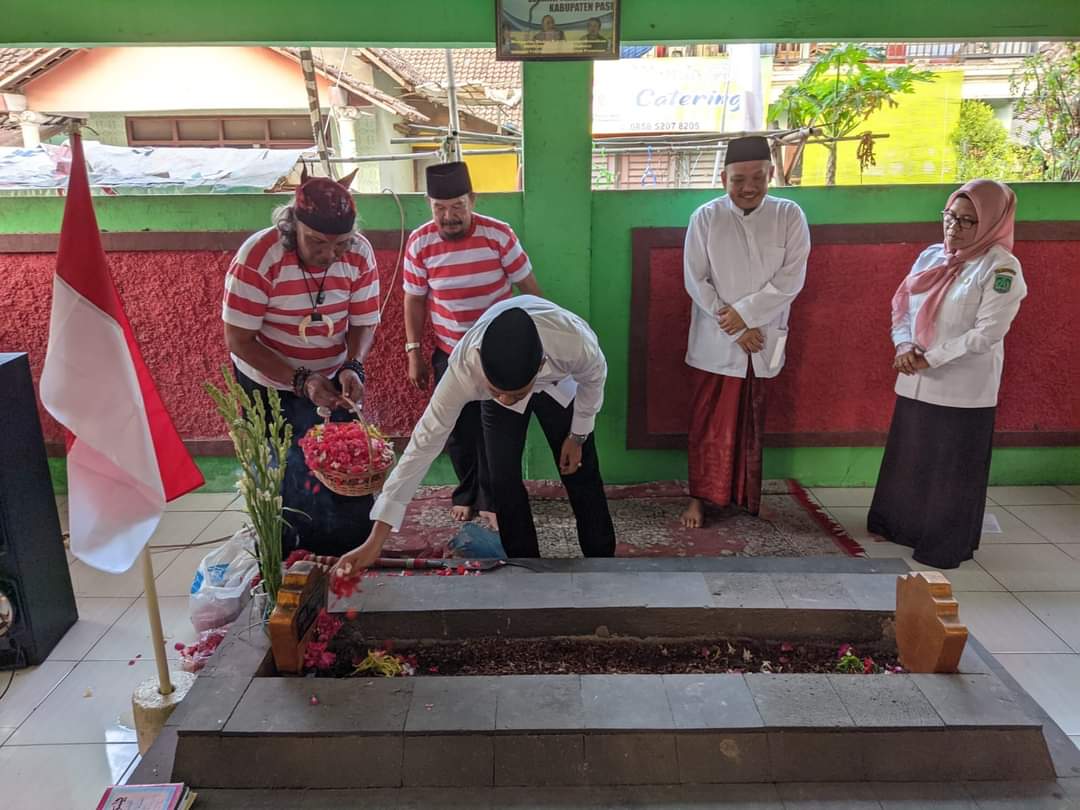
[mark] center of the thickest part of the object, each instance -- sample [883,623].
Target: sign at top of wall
[557,29]
[692,94]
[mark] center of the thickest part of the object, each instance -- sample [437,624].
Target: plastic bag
[474,542]
[222,584]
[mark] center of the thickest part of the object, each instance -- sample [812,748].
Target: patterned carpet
[647,524]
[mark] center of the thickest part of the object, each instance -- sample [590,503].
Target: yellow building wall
[488,173]
[917,149]
[493,172]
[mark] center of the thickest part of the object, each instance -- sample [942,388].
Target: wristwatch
[410,347]
[579,438]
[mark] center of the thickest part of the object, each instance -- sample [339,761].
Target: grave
[601,730]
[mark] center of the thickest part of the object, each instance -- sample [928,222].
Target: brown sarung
[727,428]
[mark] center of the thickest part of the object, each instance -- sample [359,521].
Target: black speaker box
[35,584]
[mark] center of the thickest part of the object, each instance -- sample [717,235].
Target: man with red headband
[300,310]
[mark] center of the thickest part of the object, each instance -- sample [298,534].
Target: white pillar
[15,103]
[31,134]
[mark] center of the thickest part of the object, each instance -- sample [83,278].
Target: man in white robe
[743,264]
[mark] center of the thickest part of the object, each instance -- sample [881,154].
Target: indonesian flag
[125,460]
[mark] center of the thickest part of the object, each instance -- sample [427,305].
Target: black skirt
[931,491]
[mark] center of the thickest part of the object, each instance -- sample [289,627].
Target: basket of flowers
[349,458]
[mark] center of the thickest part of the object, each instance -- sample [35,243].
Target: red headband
[325,206]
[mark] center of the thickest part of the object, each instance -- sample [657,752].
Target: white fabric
[968,353]
[755,263]
[574,370]
[89,384]
[149,169]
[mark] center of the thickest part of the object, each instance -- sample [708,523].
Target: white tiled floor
[66,729]
[1020,595]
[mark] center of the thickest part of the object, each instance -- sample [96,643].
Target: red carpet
[647,524]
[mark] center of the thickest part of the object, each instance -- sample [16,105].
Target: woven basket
[352,485]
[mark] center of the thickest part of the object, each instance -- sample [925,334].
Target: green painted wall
[235,212]
[558,213]
[579,240]
[471,22]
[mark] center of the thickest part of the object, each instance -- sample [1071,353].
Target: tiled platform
[1039,571]
[609,730]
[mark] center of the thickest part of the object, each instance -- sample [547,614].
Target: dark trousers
[466,450]
[324,522]
[504,439]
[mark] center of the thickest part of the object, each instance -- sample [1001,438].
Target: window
[275,132]
[916,112]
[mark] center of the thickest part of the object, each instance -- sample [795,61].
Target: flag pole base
[153,709]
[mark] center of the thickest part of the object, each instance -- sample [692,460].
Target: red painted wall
[838,376]
[173,300]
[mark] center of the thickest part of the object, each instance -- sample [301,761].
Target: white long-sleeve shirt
[968,352]
[574,370]
[755,263]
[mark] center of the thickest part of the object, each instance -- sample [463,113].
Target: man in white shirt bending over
[523,356]
[743,264]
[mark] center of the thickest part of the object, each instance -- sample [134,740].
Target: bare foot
[462,514]
[694,516]
[492,521]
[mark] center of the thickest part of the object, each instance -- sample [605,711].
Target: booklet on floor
[174,796]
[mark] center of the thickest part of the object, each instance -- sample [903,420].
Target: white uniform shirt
[574,370]
[968,352]
[755,263]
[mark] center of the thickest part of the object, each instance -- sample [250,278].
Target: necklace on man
[316,301]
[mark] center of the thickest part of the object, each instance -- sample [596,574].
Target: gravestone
[929,634]
[301,596]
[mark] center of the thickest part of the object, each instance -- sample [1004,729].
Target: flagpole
[153,612]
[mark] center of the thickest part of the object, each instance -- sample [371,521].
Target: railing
[791,52]
[969,50]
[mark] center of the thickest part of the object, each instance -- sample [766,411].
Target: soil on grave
[584,656]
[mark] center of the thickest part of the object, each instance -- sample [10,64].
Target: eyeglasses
[964,223]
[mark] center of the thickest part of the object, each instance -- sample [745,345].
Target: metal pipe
[466,135]
[307,67]
[848,138]
[379,158]
[782,134]
[452,142]
[657,150]
[462,139]
[420,155]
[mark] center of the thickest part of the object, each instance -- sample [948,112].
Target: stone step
[840,607]
[1063,794]
[604,730]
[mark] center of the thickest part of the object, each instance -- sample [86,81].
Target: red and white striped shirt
[267,290]
[465,276]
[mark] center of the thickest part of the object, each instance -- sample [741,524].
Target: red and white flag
[125,460]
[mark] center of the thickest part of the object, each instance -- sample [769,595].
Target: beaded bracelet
[355,366]
[299,377]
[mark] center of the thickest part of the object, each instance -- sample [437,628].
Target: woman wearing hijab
[949,320]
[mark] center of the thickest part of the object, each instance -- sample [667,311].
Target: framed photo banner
[556,29]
